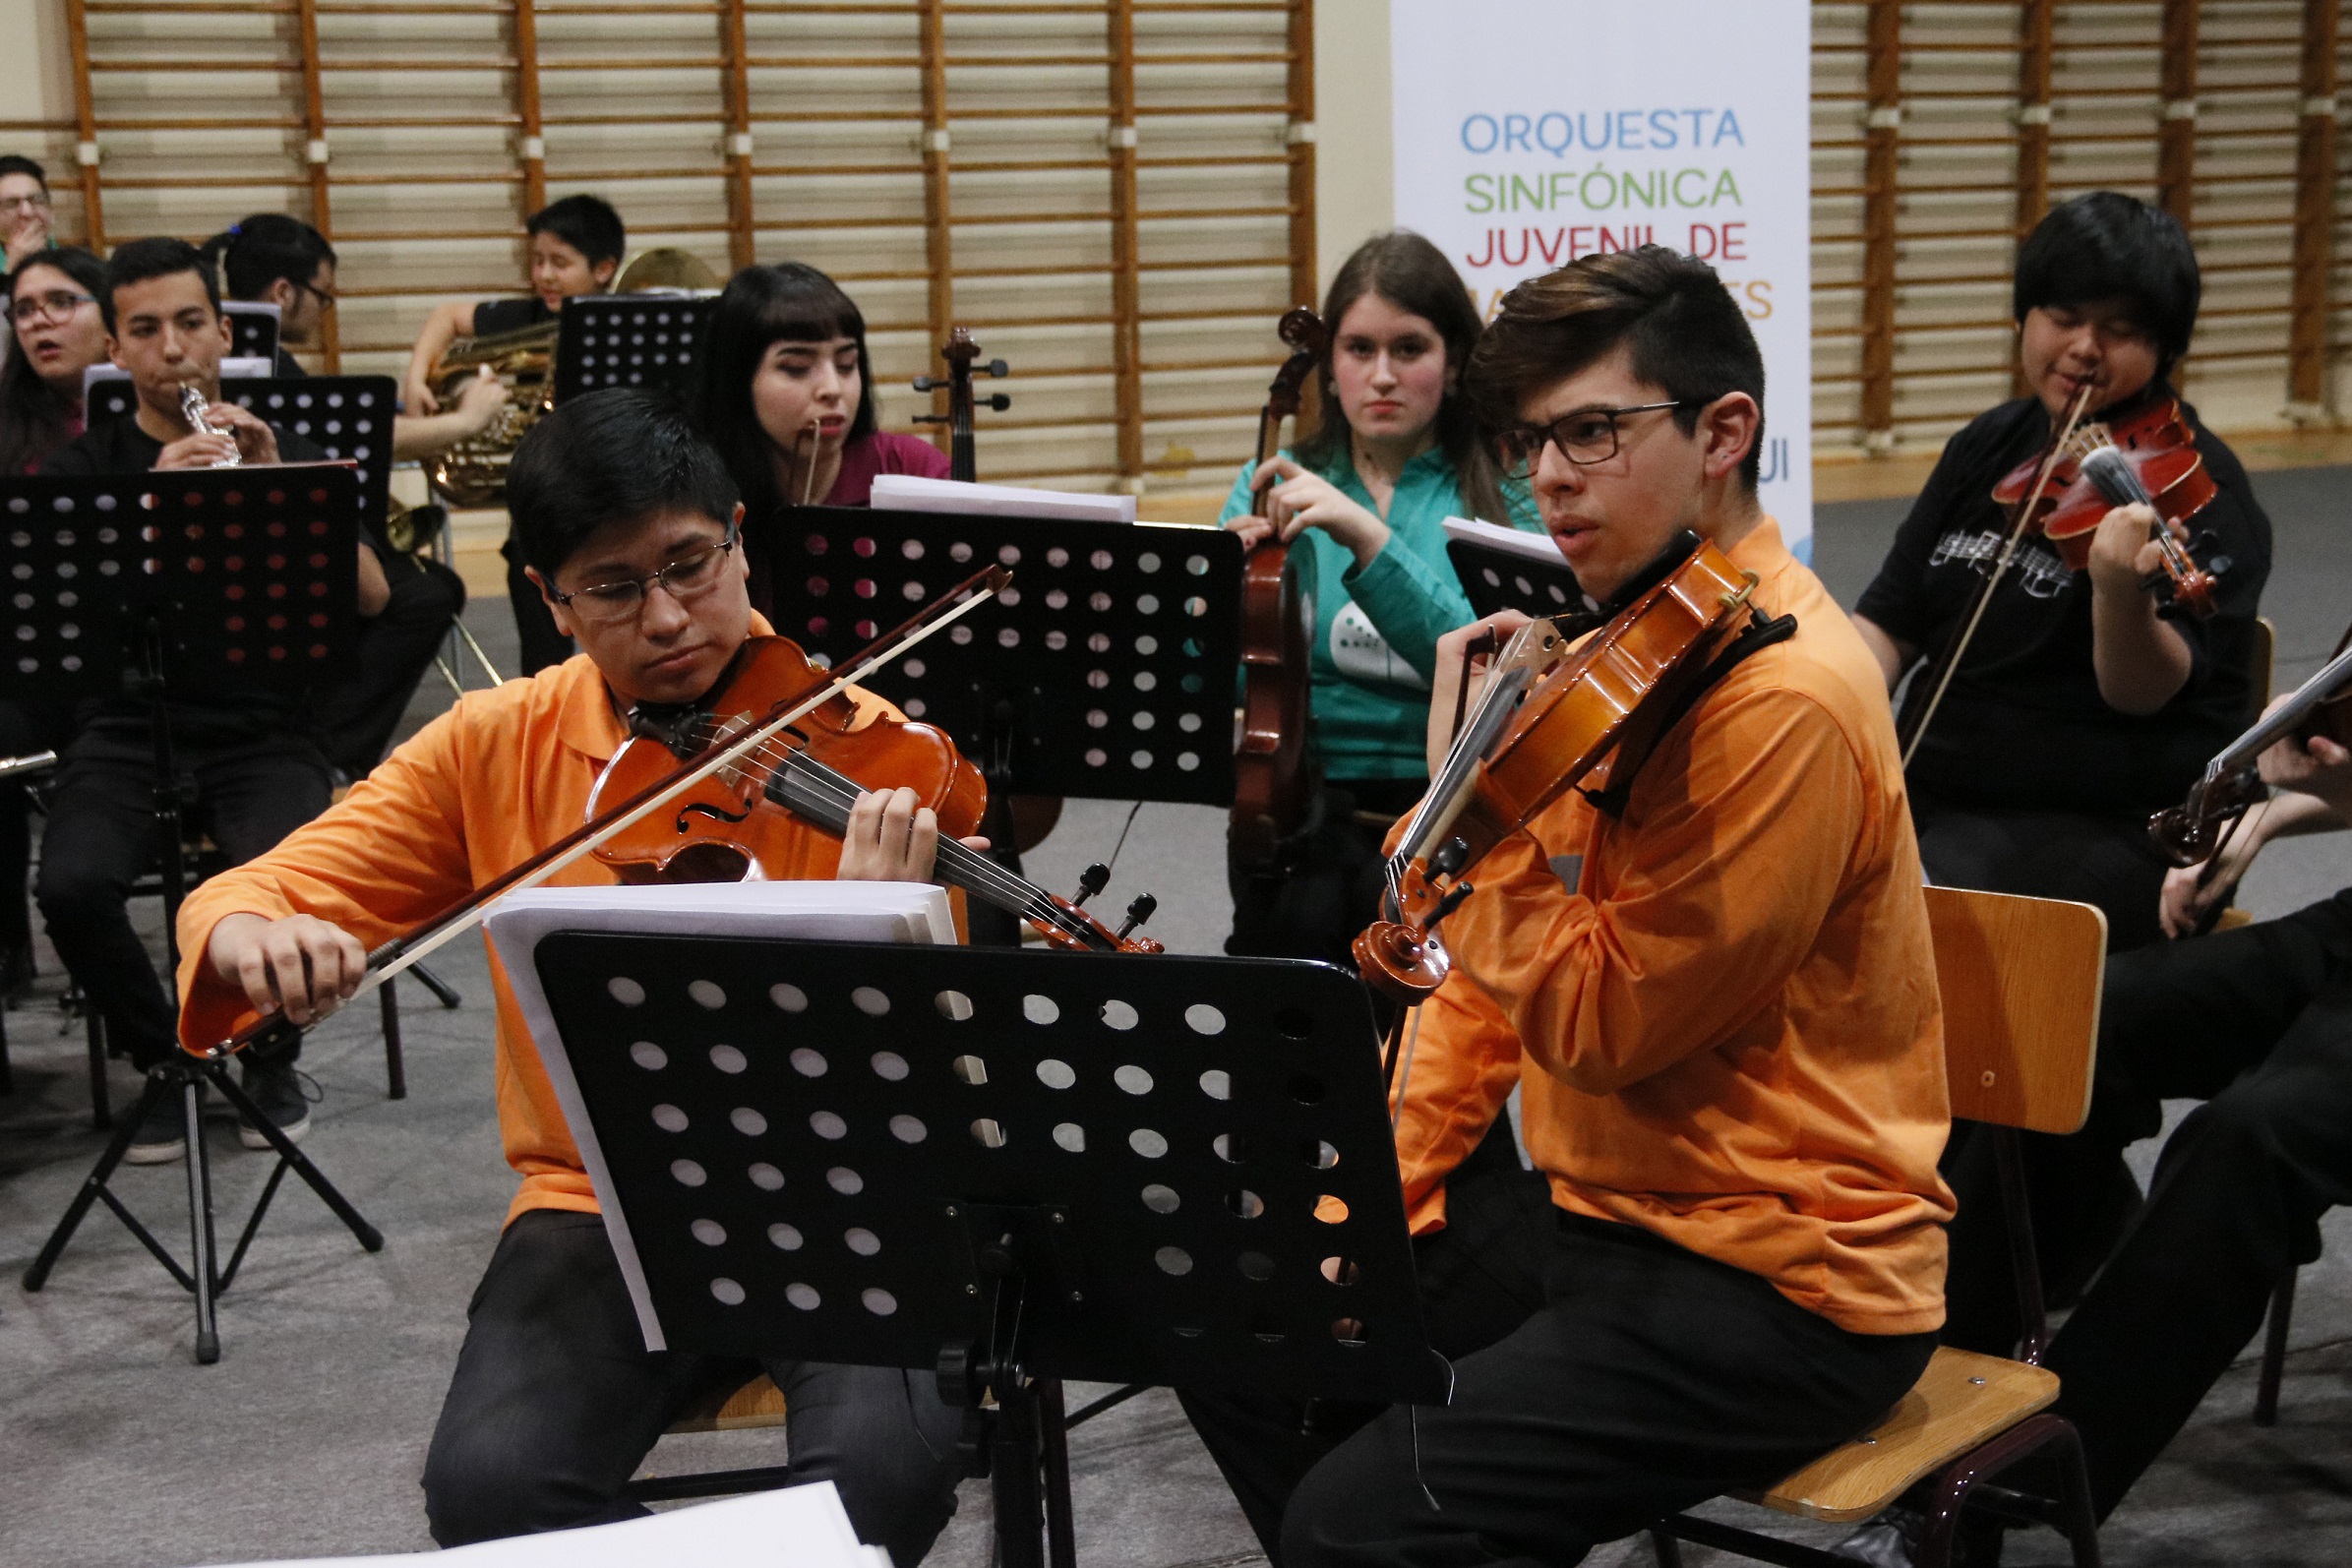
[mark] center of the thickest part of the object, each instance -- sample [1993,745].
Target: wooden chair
[755,1404]
[2020,979]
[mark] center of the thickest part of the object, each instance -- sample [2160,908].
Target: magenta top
[882,453]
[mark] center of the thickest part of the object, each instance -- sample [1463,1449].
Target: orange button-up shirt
[1722,1006]
[482,788]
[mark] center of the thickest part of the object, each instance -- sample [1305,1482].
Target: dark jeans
[395,649]
[2258,1023]
[556,1399]
[24,728]
[1651,1380]
[1480,1279]
[1330,884]
[101,838]
[2107,861]
[534,624]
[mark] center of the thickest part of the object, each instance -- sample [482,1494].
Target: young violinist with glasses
[1708,999]
[629,525]
[2084,702]
[1363,503]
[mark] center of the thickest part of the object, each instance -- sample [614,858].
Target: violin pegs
[1091,882]
[999,401]
[1141,910]
[928,384]
[1451,856]
[998,367]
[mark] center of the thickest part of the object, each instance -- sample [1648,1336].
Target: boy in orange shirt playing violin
[1715,990]
[630,525]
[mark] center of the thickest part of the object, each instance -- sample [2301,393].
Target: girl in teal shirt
[1362,504]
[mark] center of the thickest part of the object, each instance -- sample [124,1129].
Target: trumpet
[192,409]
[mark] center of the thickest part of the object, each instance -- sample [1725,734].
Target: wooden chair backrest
[2020,979]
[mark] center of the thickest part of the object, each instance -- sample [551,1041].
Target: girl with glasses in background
[58,334]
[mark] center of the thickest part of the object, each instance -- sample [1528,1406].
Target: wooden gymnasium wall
[1114,194]
[973,161]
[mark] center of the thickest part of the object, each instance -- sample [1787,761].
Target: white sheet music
[862,912]
[912,492]
[796,1527]
[1535,547]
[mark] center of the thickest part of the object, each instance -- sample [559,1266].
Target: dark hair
[785,302]
[33,414]
[252,255]
[586,223]
[1687,336]
[2111,246]
[18,163]
[1413,275]
[621,454]
[142,260]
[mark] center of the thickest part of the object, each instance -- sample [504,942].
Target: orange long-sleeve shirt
[1722,1006]
[482,788]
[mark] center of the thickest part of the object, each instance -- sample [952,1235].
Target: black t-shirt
[2023,723]
[495,316]
[119,447]
[287,367]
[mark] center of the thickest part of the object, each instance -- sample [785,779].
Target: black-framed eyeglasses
[684,581]
[57,306]
[325,297]
[1585,437]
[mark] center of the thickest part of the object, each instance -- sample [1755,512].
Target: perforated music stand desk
[835,1151]
[632,341]
[1498,580]
[216,580]
[348,418]
[1106,672]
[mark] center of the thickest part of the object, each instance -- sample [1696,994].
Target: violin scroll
[2192,832]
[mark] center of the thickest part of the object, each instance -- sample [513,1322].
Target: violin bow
[1951,661]
[388,960]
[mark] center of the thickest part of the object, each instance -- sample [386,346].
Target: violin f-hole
[705,808]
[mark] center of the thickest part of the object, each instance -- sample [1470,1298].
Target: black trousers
[1481,1277]
[395,649]
[1651,1380]
[556,1399]
[101,838]
[2107,861]
[2258,1023]
[542,644]
[24,728]
[1328,886]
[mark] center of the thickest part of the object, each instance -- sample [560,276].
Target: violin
[1273,786]
[2149,458]
[961,354]
[2195,830]
[815,770]
[1554,715]
[421,941]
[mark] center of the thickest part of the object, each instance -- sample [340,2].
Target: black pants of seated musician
[100,840]
[2258,1023]
[1480,1279]
[1649,1380]
[24,728]
[397,647]
[1328,884]
[556,1401]
[541,643]
[2106,861]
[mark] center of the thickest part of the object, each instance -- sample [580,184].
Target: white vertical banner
[1530,133]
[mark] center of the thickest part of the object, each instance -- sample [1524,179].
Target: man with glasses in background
[26,215]
[627,524]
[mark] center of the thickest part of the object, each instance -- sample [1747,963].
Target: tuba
[473,472]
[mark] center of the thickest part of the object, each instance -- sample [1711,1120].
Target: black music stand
[632,341]
[1008,1168]
[1106,672]
[253,328]
[1499,579]
[208,579]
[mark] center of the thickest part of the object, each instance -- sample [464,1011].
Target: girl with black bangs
[788,400]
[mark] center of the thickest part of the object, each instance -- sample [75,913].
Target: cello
[1273,783]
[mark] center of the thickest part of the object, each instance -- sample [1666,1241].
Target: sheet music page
[866,912]
[912,492]
[1535,547]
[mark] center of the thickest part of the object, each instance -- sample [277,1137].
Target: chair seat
[1961,1400]
[758,1403]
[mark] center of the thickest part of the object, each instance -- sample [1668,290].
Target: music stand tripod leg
[119,1145]
[202,1268]
[289,1153]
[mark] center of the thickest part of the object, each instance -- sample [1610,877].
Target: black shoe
[280,1094]
[1892,1540]
[162,1137]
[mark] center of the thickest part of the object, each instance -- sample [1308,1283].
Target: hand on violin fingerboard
[892,838]
[298,965]
[1445,692]
[2124,553]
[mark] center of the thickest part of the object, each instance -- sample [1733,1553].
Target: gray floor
[306,1437]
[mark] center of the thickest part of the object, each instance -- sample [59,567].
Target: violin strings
[831,788]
